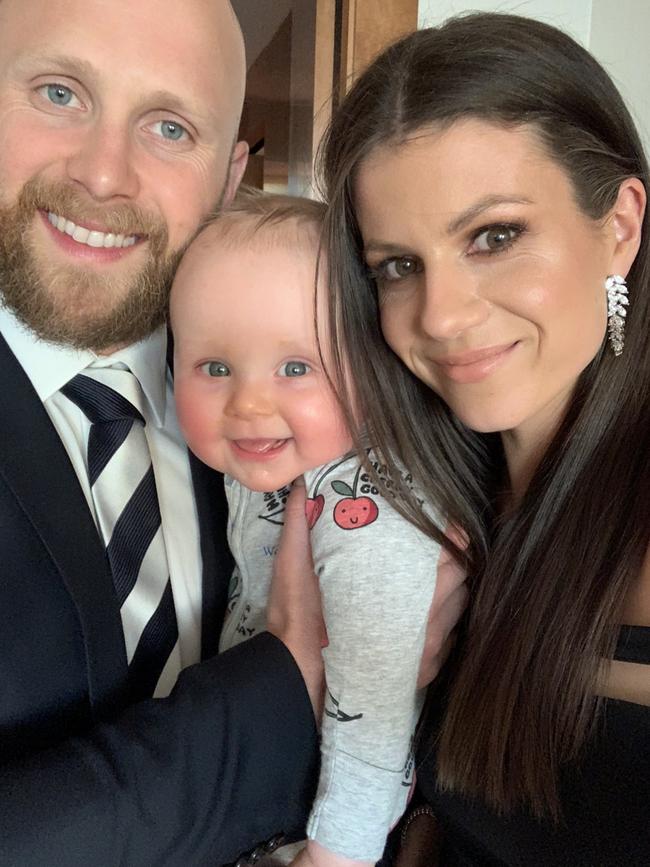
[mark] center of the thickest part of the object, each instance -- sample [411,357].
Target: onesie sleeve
[377,576]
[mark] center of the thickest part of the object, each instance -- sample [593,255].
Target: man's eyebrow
[165,100]
[484,204]
[63,63]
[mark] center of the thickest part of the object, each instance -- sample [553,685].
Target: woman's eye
[495,238]
[170,130]
[59,94]
[398,268]
[294,368]
[215,368]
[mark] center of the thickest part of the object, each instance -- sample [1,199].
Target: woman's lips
[474,366]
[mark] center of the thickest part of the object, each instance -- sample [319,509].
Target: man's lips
[258,449]
[86,249]
[475,365]
[90,234]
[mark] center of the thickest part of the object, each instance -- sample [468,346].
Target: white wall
[620,40]
[617,32]
[574,16]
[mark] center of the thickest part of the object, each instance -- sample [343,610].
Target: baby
[255,402]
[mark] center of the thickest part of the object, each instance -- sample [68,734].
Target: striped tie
[126,504]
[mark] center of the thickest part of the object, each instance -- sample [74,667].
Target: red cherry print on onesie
[351,513]
[314,509]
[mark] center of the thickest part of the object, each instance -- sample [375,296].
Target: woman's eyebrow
[479,207]
[456,225]
[383,248]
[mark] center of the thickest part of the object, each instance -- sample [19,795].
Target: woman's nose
[452,302]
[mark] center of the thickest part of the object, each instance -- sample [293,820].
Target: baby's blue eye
[59,94]
[215,368]
[294,368]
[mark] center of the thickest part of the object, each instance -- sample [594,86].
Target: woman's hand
[448,604]
[315,855]
[294,612]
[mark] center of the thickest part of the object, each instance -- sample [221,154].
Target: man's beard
[80,307]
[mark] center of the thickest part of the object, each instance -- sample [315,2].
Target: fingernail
[299,482]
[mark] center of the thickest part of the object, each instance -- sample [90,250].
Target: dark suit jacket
[229,760]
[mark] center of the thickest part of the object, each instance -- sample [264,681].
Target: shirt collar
[49,366]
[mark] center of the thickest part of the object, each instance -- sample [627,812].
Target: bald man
[123,738]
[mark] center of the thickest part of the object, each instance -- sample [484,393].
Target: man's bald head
[203,28]
[112,114]
[237,62]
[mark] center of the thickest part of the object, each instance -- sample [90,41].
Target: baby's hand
[315,855]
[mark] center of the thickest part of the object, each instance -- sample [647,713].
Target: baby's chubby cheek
[197,424]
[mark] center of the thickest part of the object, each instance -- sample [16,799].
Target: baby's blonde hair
[253,211]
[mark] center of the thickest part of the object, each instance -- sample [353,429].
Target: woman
[486,199]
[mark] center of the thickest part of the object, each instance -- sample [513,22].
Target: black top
[606,799]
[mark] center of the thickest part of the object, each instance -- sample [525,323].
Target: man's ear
[236,169]
[626,220]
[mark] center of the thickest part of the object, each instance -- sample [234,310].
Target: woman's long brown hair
[547,583]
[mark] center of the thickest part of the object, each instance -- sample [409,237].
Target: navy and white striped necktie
[124,494]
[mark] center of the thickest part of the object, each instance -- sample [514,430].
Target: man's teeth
[88,237]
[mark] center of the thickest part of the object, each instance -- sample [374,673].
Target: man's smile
[88,236]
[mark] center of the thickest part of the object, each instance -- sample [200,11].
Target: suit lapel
[217,560]
[35,465]
[212,509]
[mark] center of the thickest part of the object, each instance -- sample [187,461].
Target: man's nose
[453,301]
[249,400]
[103,163]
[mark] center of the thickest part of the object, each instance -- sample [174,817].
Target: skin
[143,119]
[492,256]
[221,310]
[122,72]
[540,299]
[148,62]
[242,316]
[245,313]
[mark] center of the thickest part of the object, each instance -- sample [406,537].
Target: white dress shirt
[49,367]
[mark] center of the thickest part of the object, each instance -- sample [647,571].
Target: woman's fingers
[449,602]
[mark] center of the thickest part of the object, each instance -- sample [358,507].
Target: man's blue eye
[216,368]
[59,94]
[294,368]
[171,131]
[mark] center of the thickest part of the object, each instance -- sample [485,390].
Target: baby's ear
[236,170]
[626,220]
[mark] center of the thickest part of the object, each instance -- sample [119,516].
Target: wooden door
[297,80]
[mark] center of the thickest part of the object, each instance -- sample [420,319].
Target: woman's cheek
[394,333]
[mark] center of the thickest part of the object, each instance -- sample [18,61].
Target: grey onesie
[377,576]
